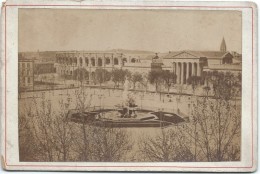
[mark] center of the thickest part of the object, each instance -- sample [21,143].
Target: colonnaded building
[183,63]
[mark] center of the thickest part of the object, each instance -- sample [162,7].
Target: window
[29,80]
[28,65]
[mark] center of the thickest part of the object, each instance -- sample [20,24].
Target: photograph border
[128,166]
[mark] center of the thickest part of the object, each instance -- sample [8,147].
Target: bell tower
[223,47]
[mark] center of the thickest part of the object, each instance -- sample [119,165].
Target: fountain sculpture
[129,106]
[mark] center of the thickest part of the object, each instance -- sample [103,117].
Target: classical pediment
[186,55]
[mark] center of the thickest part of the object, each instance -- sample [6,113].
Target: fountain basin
[112,118]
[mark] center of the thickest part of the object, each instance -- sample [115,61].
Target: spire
[223,47]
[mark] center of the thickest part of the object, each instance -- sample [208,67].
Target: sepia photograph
[102,85]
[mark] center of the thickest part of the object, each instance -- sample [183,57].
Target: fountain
[129,106]
[126,114]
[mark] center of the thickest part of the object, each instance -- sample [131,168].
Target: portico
[184,70]
[186,65]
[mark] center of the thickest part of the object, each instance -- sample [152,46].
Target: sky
[151,30]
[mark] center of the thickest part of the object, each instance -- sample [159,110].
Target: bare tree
[167,146]
[43,128]
[110,144]
[83,103]
[63,131]
[215,129]
[27,143]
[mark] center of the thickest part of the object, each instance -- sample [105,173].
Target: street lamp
[142,96]
[160,110]
[178,100]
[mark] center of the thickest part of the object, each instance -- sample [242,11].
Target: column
[174,67]
[177,72]
[112,60]
[193,69]
[96,61]
[182,72]
[104,61]
[187,71]
[83,61]
[78,62]
[198,70]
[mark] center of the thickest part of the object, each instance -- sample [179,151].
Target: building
[183,63]
[44,68]
[67,62]
[25,72]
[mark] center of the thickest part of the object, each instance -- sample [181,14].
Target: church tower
[223,47]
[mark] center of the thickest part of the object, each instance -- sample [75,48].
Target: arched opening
[100,62]
[93,61]
[75,60]
[115,61]
[80,61]
[71,61]
[107,61]
[86,61]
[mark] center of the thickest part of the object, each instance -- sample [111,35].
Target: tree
[215,130]
[119,76]
[169,78]
[136,78]
[80,74]
[43,129]
[194,81]
[206,79]
[155,78]
[82,143]
[226,85]
[63,131]
[27,143]
[102,75]
[167,146]
[116,77]
[145,81]
[110,144]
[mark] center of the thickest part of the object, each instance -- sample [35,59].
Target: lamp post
[100,96]
[160,110]
[142,96]
[178,100]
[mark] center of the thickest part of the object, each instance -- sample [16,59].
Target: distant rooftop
[208,54]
